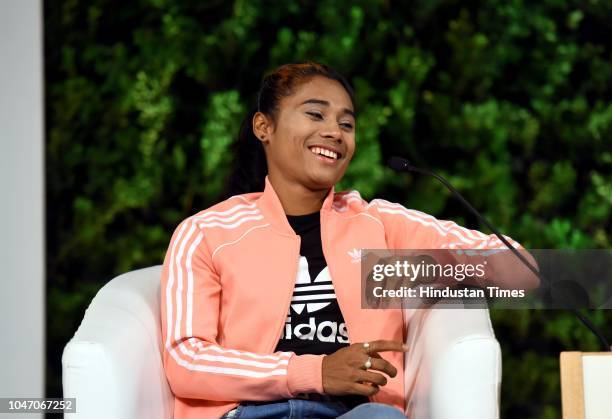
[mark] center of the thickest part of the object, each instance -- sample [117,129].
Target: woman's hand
[344,371]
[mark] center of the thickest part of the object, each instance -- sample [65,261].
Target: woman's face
[313,139]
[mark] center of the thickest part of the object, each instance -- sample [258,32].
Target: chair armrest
[453,367]
[113,365]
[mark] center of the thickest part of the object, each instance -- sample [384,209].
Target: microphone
[400,164]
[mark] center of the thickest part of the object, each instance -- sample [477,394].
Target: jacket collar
[273,211]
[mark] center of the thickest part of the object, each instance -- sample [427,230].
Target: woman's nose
[332,133]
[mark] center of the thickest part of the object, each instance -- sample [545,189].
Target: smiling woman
[261,298]
[309,140]
[300,107]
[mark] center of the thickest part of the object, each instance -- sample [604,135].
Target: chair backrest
[113,364]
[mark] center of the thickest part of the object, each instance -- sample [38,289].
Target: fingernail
[405,347]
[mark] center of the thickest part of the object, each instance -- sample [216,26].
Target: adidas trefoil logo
[322,283]
[355,255]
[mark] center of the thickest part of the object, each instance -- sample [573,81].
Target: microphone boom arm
[403,165]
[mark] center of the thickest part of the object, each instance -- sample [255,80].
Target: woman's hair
[250,167]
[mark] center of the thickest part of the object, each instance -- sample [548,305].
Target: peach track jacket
[228,279]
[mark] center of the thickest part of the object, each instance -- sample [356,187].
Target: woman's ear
[262,127]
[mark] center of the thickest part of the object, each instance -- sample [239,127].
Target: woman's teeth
[324,152]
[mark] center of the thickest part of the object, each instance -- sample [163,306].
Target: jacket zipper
[288,300]
[344,313]
[329,267]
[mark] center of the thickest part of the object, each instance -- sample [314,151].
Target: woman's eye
[319,116]
[315,115]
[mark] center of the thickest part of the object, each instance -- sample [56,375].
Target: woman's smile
[326,154]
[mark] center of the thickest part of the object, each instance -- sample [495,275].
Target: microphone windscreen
[399,164]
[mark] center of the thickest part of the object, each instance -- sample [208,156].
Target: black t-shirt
[314,324]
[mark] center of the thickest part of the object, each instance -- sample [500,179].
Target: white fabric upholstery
[453,369]
[113,363]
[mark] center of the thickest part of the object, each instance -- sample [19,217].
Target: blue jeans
[308,409]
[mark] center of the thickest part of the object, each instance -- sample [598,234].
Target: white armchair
[113,365]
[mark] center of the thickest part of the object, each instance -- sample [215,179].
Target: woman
[246,332]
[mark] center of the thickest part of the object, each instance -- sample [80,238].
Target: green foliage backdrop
[511,100]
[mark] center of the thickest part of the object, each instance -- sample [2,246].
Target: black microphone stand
[402,165]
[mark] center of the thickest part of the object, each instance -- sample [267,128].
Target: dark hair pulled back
[250,167]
